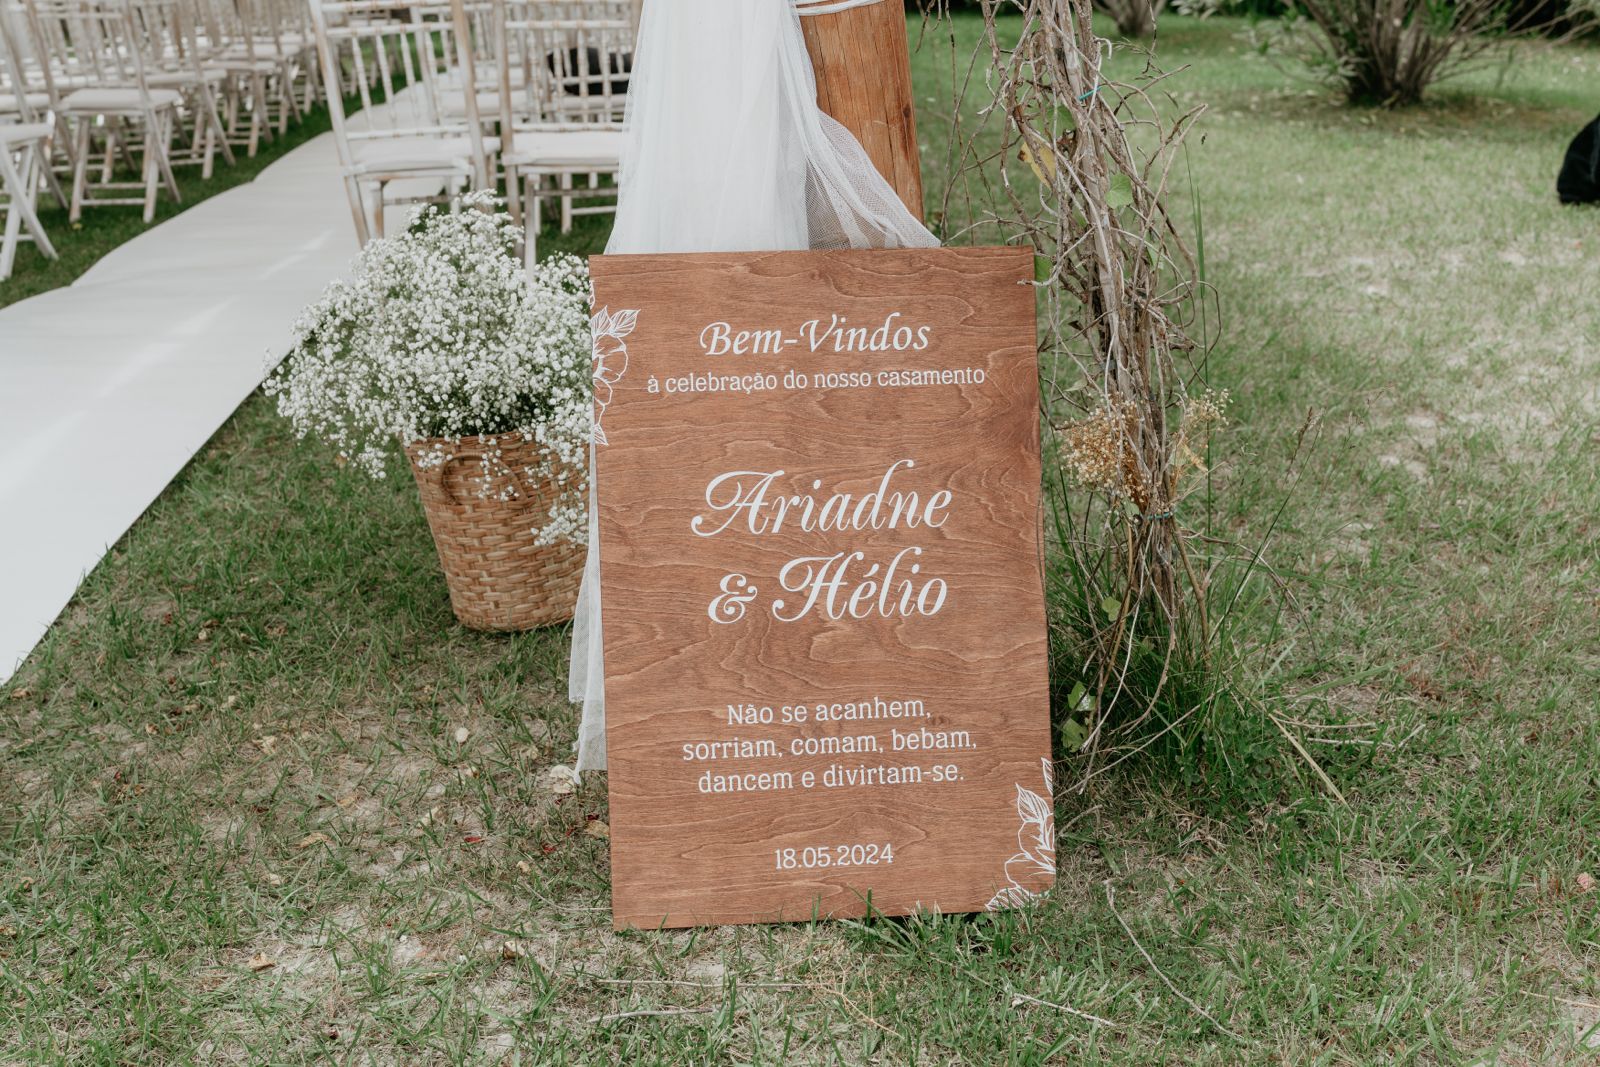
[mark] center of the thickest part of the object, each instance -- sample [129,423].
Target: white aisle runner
[108,387]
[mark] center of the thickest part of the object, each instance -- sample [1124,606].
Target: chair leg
[64,141]
[230,107]
[24,188]
[291,99]
[313,73]
[258,100]
[11,232]
[124,149]
[377,211]
[566,203]
[285,101]
[358,209]
[80,170]
[10,235]
[50,178]
[218,137]
[532,222]
[514,195]
[151,177]
[113,147]
[163,132]
[208,147]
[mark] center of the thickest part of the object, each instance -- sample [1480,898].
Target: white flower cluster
[442,332]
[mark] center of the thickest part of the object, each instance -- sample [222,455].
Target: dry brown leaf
[318,838]
[274,879]
[524,866]
[598,829]
[461,735]
[268,744]
[1585,882]
[262,962]
[513,950]
[20,694]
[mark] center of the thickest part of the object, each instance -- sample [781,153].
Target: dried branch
[1048,150]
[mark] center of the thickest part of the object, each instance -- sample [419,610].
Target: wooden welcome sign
[825,649]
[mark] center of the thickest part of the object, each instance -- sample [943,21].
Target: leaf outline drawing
[1035,863]
[610,353]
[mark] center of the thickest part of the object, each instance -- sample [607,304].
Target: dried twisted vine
[1120,298]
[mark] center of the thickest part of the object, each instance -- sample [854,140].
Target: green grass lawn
[241,745]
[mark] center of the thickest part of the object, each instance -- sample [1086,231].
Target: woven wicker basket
[499,578]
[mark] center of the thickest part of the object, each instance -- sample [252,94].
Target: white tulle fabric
[727,151]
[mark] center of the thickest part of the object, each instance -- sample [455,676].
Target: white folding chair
[24,95]
[169,38]
[253,78]
[564,70]
[412,55]
[25,140]
[93,59]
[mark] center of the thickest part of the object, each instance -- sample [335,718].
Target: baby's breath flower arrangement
[441,334]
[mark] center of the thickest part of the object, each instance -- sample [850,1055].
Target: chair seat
[601,149]
[35,102]
[22,132]
[242,64]
[104,101]
[400,154]
[239,51]
[168,79]
[293,45]
[453,102]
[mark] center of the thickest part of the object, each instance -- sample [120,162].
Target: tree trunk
[863,66]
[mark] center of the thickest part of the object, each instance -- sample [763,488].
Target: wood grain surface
[682,856]
[863,65]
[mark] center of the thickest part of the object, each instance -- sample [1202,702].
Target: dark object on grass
[1579,182]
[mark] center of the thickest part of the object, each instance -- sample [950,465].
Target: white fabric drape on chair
[727,151]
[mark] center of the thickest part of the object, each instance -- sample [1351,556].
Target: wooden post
[863,64]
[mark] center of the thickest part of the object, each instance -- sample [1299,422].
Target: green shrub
[1389,52]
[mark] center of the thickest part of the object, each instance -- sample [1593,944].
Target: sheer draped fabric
[727,151]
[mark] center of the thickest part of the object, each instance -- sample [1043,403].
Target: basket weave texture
[499,578]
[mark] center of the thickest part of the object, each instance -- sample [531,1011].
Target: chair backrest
[234,26]
[14,81]
[564,62]
[14,39]
[165,30]
[270,21]
[403,60]
[94,44]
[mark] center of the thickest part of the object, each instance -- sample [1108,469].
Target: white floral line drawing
[1036,837]
[610,358]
